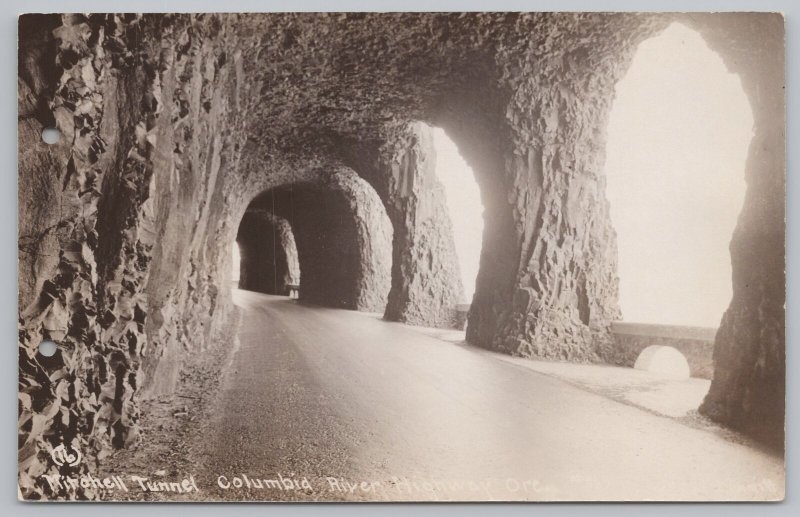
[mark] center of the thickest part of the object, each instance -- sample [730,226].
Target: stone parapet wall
[695,343]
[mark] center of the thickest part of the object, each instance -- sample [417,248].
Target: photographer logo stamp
[62,455]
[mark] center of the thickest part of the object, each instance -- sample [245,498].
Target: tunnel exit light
[236,261]
[678,138]
[464,207]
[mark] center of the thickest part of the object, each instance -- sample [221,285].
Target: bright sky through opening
[677,143]
[464,206]
[235,262]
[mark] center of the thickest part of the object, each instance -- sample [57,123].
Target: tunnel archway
[330,234]
[464,208]
[267,253]
[426,283]
[675,179]
[748,387]
[236,264]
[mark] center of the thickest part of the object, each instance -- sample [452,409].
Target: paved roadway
[320,393]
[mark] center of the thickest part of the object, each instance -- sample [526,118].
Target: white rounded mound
[665,360]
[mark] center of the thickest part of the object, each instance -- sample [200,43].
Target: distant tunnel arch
[330,234]
[268,253]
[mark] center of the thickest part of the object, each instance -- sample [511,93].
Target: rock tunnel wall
[115,256]
[171,124]
[426,281]
[748,391]
[269,261]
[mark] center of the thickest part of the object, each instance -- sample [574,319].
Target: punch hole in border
[51,135]
[47,348]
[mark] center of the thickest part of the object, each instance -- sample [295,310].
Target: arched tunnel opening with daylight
[265,254]
[345,240]
[464,208]
[676,187]
[416,252]
[675,190]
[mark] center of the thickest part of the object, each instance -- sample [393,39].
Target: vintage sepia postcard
[486,256]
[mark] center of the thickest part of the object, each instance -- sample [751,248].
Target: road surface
[338,405]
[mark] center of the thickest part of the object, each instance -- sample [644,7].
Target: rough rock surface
[172,124]
[269,261]
[749,387]
[117,265]
[426,280]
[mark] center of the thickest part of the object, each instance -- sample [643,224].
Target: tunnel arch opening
[236,264]
[465,213]
[427,286]
[325,240]
[465,208]
[678,138]
[679,133]
[266,251]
